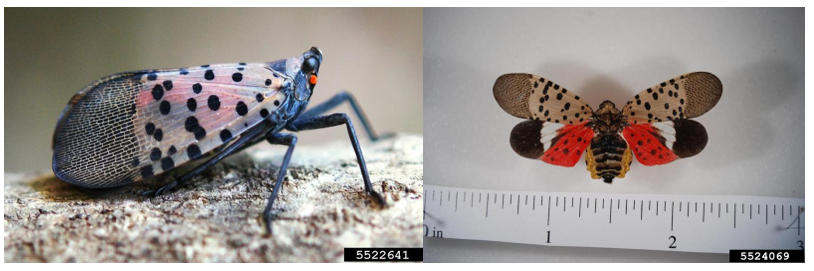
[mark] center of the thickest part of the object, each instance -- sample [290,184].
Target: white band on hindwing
[549,131]
[666,130]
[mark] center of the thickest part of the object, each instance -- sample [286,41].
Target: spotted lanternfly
[132,126]
[655,125]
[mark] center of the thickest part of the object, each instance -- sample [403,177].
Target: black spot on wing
[213,102]
[192,126]
[200,133]
[167,163]
[155,154]
[158,135]
[241,108]
[149,128]
[192,104]
[225,135]
[193,151]
[167,85]
[164,107]
[158,92]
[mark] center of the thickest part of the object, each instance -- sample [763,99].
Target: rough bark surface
[217,217]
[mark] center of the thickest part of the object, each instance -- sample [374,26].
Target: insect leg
[302,124]
[289,140]
[243,140]
[335,101]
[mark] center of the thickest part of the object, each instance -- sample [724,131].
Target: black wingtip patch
[691,138]
[525,139]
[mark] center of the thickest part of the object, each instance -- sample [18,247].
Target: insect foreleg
[301,124]
[335,101]
[289,140]
[242,141]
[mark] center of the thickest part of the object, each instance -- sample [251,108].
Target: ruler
[690,223]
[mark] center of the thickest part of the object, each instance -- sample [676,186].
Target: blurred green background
[375,53]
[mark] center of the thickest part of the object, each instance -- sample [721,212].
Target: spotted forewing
[147,122]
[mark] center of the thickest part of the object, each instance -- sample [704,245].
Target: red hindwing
[648,145]
[569,144]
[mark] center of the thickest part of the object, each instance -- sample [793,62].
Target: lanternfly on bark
[132,126]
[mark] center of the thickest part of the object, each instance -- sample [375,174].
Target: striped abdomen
[608,157]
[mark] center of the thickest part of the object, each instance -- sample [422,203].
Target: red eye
[313,80]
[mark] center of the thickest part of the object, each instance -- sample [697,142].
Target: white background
[756,132]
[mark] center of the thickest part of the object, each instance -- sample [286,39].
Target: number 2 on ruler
[673,245]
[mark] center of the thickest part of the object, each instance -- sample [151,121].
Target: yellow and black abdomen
[608,157]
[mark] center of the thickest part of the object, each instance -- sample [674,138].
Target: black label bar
[383,254]
[767,256]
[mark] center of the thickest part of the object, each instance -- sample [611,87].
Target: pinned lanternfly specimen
[132,126]
[655,125]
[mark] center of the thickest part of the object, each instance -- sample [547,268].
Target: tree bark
[217,217]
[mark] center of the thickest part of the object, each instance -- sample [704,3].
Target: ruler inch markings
[487,205]
[799,209]
[447,221]
[672,214]
[642,210]
[580,207]
[548,220]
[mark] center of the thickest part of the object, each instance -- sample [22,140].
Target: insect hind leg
[319,122]
[337,100]
[289,140]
